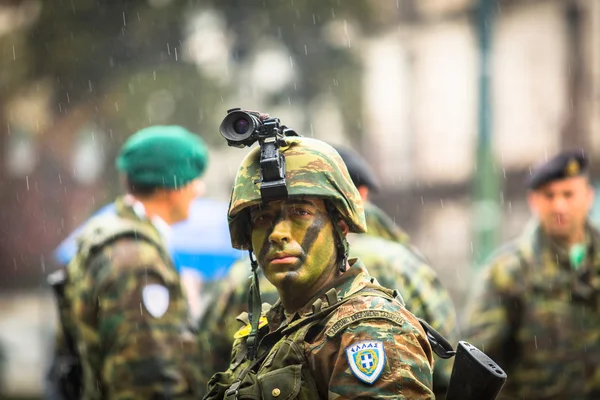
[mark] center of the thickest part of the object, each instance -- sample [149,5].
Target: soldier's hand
[260,115]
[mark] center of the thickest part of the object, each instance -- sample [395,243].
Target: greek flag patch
[366,360]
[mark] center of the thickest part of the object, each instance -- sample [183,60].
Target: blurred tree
[319,35]
[105,61]
[115,66]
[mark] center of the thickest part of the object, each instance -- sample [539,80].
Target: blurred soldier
[537,305]
[335,332]
[392,264]
[123,312]
[378,222]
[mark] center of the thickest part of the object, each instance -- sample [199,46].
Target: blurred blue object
[201,243]
[595,212]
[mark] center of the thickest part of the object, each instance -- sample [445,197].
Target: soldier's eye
[299,211]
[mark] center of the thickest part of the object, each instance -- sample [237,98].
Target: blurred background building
[452,101]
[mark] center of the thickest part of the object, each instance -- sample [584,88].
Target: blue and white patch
[156,299]
[366,359]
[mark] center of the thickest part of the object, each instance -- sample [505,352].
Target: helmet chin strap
[340,242]
[254,307]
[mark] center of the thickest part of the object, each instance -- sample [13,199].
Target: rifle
[475,376]
[65,375]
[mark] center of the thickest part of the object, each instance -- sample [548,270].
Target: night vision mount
[242,128]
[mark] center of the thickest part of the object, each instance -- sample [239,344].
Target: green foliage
[302,26]
[138,98]
[117,54]
[84,43]
[15,62]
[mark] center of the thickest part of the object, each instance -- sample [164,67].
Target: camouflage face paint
[313,169]
[294,243]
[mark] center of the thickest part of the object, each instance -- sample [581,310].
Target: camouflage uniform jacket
[393,265]
[539,318]
[381,225]
[125,351]
[397,267]
[308,356]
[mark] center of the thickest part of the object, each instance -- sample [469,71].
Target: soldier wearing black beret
[536,310]
[565,165]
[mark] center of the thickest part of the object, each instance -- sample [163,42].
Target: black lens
[241,125]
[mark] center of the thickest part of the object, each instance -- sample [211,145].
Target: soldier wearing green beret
[385,248]
[334,333]
[536,308]
[124,315]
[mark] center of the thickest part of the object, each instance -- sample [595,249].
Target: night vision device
[241,128]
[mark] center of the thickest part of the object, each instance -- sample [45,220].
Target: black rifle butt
[475,376]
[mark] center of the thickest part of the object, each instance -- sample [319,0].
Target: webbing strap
[254,309]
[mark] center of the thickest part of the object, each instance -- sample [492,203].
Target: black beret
[564,165]
[359,170]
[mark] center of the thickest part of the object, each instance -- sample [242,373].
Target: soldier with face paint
[390,258]
[335,333]
[123,312]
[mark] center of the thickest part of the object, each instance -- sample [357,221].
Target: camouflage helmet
[313,168]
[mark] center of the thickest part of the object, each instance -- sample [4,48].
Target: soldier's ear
[343,226]
[591,195]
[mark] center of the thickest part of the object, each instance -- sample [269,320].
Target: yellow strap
[245,330]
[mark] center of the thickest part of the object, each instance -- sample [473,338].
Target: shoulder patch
[365,314]
[366,360]
[245,330]
[156,299]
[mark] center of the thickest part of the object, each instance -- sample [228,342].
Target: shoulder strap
[232,392]
[57,281]
[319,312]
[107,229]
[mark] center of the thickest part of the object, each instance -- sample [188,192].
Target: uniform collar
[534,238]
[131,208]
[350,282]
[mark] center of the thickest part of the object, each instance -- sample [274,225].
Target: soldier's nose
[281,232]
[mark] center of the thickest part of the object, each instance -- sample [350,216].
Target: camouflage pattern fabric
[539,317]
[322,338]
[313,168]
[125,351]
[381,225]
[228,299]
[398,267]
[390,263]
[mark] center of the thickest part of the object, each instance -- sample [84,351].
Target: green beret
[163,156]
[564,165]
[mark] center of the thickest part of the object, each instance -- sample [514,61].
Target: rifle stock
[475,376]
